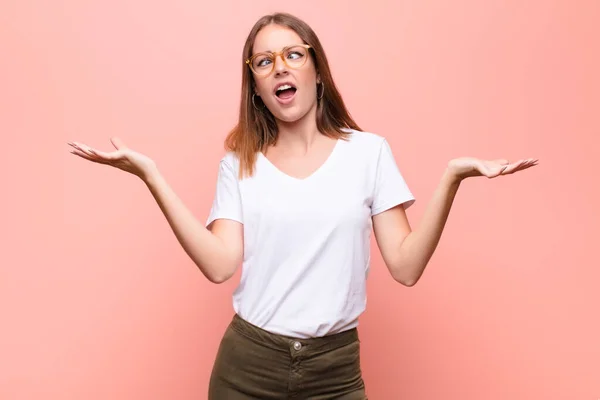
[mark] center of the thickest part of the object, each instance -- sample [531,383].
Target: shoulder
[230,163]
[230,159]
[363,136]
[365,142]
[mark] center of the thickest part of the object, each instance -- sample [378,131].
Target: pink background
[99,301]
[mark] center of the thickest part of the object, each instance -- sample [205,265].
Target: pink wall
[98,300]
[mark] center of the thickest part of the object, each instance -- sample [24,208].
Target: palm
[468,166]
[123,158]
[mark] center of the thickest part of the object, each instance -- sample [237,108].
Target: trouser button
[297,346]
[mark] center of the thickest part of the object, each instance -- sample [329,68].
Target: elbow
[409,283]
[219,274]
[217,279]
[407,273]
[406,282]
[404,279]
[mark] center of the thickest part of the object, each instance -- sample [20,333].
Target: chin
[291,115]
[289,118]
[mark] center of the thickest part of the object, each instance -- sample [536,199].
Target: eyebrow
[265,51]
[271,51]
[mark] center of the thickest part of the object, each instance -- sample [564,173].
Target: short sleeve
[227,203]
[390,188]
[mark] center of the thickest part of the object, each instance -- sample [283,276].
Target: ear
[318,78]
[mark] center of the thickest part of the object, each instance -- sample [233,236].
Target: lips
[285,91]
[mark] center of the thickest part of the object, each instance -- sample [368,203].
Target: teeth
[283,87]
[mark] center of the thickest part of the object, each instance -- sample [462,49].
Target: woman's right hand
[123,158]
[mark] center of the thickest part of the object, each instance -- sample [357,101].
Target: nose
[280,67]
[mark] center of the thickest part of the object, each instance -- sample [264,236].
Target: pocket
[226,355]
[247,365]
[341,364]
[347,367]
[348,358]
[337,368]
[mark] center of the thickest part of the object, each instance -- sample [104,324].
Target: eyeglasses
[294,56]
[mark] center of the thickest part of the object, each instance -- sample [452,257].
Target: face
[290,104]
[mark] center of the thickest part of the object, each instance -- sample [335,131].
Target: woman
[297,195]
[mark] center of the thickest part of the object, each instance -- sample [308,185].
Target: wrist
[150,176]
[451,178]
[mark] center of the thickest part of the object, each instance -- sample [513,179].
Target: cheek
[309,92]
[309,85]
[262,87]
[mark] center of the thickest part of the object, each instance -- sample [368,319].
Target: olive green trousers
[253,363]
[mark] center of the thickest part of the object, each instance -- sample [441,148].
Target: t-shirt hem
[407,202]
[211,219]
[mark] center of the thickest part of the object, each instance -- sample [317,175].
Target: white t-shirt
[307,241]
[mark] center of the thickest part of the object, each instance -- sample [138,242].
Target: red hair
[257,129]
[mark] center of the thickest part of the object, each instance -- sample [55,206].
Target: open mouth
[285,91]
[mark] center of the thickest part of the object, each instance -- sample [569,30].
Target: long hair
[257,128]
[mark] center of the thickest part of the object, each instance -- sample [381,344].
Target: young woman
[297,195]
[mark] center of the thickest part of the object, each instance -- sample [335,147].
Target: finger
[86,156]
[530,164]
[97,155]
[501,161]
[511,168]
[524,164]
[531,161]
[113,156]
[80,153]
[81,147]
[118,143]
[527,164]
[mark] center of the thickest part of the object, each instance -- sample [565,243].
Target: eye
[262,61]
[294,55]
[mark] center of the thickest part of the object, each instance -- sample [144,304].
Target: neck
[300,135]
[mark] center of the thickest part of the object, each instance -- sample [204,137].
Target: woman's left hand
[465,167]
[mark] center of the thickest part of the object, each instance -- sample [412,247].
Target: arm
[405,252]
[217,251]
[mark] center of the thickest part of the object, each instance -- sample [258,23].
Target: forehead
[274,38]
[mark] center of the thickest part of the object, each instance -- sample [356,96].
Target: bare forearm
[418,247]
[207,251]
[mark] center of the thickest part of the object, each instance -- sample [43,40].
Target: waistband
[287,343]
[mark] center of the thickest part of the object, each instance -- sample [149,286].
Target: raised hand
[123,158]
[465,167]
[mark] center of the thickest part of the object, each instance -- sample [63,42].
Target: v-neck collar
[313,174]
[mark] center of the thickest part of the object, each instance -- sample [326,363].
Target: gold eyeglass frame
[274,55]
